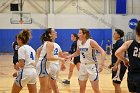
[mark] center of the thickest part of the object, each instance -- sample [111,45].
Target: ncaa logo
[133,23]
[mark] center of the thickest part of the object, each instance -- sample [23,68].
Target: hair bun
[26,32]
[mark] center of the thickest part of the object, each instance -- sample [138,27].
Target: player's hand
[62,59]
[114,68]
[126,63]
[15,74]
[110,66]
[64,54]
[68,57]
[100,68]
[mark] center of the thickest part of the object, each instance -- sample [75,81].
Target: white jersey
[27,53]
[56,51]
[86,52]
[43,52]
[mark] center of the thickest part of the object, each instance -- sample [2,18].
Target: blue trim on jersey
[94,56]
[42,65]
[96,72]
[45,68]
[20,78]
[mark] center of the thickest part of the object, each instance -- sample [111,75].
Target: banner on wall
[121,6]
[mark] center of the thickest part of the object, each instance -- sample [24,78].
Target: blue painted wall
[7,36]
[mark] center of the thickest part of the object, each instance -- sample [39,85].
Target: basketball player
[133,64]
[75,61]
[41,66]
[54,65]
[54,68]
[26,62]
[15,56]
[88,67]
[118,74]
[47,56]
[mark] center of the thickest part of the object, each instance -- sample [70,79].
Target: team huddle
[51,59]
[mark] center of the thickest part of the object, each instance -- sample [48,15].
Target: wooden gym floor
[6,79]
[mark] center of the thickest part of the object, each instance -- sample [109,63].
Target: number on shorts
[31,56]
[56,51]
[83,55]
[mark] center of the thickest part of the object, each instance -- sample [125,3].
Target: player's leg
[44,85]
[118,77]
[117,87]
[95,86]
[93,77]
[32,88]
[43,77]
[54,70]
[82,84]
[16,88]
[54,85]
[83,77]
[71,71]
[71,67]
[78,66]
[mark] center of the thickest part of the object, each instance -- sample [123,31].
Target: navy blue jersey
[117,45]
[73,49]
[134,57]
[15,47]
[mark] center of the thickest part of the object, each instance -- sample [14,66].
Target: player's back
[27,53]
[56,51]
[134,57]
[43,52]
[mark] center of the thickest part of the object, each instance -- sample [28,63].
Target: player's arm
[21,58]
[63,67]
[115,67]
[75,54]
[121,50]
[95,45]
[38,51]
[50,52]
[61,54]
[20,63]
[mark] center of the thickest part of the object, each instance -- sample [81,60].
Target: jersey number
[56,51]
[31,56]
[83,55]
[136,52]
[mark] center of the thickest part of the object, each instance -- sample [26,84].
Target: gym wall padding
[100,35]
[7,36]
